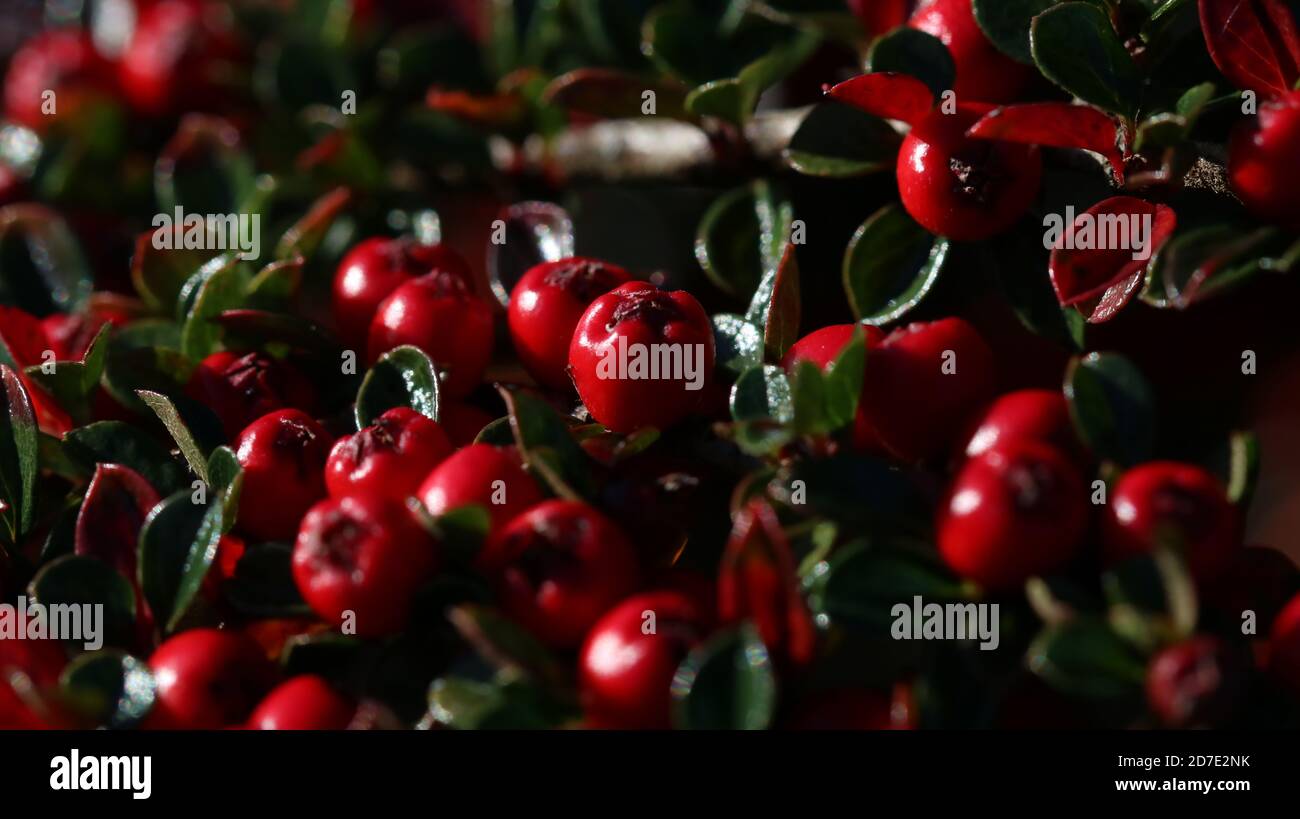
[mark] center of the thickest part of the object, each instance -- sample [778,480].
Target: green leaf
[915,53]
[762,392]
[890,265]
[739,343]
[1152,599]
[114,442]
[203,170]
[504,645]
[455,702]
[218,286]
[1085,657]
[844,381]
[177,546]
[226,476]
[726,684]
[1006,23]
[18,456]
[1112,407]
[858,492]
[110,688]
[171,418]
[42,266]
[808,397]
[1018,262]
[545,442]
[78,580]
[72,383]
[402,377]
[159,274]
[837,140]
[733,99]
[861,583]
[1208,261]
[462,532]
[1075,47]
[263,584]
[304,236]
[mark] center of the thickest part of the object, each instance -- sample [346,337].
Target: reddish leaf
[1096,260]
[25,339]
[1057,125]
[1253,42]
[108,525]
[879,16]
[887,94]
[480,109]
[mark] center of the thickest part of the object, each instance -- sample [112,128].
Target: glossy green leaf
[18,456]
[726,684]
[403,377]
[837,140]
[545,442]
[80,580]
[861,583]
[1112,407]
[738,343]
[890,265]
[762,391]
[177,546]
[1075,46]
[110,688]
[1085,657]
[915,53]
[1006,24]
[73,383]
[171,419]
[115,442]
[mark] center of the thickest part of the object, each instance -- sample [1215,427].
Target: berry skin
[462,422]
[304,703]
[1194,683]
[207,679]
[913,407]
[390,458]
[1012,513]
[558,567]
[1183,506]
[362,554]
[64,62]
[242,388]
[376,267]
[177,55]
[283,455]
[962,188]
[822,347]
[983,73]
[625,674]
[1263,167]
[1024,415]
[439,314]
[545,307]
[633,317]
[470,477]
[1284,647]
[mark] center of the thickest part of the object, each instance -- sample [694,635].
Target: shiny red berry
[439,314]
[545,307]
[390,458]
[1165,503]
[1263,165]
[822,347]
[626,667]
[360,560]
[240,388]
[304,703]
[984,74]
[923,384]
[373,269]
[207,679]
[63,62]
[1194,683]
[642,357]
[1284,647]
[484,475]
[1012,513]
[558,567]
[1023,415]
[283,456]
[179,56]
[962,188]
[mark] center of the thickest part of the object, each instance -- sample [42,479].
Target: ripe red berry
[641,357]
[390,458]
[1194,683]
[489,476]
[1176,505]
[207,679]
[63,62]
[439,314]
[1012,513]
[283,455]
[962,188]
[822,347]
[1284,647]
[545,307]
[462,422]
[1263,167]
[1024,415]
[177,56]
[373,269]
[558,567]
[239,389]
[304,703]
[626,666]
[923,383]
[362,554]
[984,74]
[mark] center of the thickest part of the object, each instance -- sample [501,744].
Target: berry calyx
[207,679]
[983,73]
[545,307]
[1262,165]
[240,388]
[485,475]
[304,703]
[283,455]
[391,457]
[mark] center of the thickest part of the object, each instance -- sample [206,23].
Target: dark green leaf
[890,265]
[171,418]
[79,581]
[226,476]
[545,442]
[177,546]
[42,266]
[861,583]
[114,442]
[1085,657]
[72,383]
[403,377]
[762,392]
[733,99]
[1075,47]
[18,456]
[837,140]
[110,688]
[218,286]
[503,644]
[1006,24]
[1112,407]
[739,344]
[726,684]
[844,382]
[915,53]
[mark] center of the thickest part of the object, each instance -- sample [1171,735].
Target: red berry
[962,188]
[1012,513]
[489,476]
[558,567]
[362,554]
[1024,415]
[1257,579]
[374,269]
[439,314]
[984,74]
[822,347]
[619,336]
[1177,505]
[628,661]
[1194,683]
[854,709]
[63,62]
[390,458]
[1284,647]
[1263,166]
[545,307]
[923,383]
[239,389]
[304,703]
[283,455]
[207,679]
[462,422]
[177,56]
